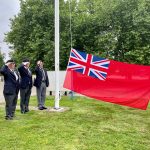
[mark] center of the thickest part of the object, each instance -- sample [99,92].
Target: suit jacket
[26,77]
[39,76]
[11,85]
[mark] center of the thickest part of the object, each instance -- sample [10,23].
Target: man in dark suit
[11,88]
[25,85]
[41,82]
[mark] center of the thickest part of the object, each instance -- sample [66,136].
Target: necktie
[43,75]
[29,72]
[14,73]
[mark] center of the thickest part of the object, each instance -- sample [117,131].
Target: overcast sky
[8,8]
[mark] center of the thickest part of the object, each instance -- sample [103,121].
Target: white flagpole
[57,97]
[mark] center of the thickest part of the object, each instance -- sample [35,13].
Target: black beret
[10,61]
[26,60]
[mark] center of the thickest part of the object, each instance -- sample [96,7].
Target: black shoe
[44,107]
[23,112]
[26,108]
[13,115]
[8,118]
[40,108]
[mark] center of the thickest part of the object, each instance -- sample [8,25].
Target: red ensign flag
[108,80]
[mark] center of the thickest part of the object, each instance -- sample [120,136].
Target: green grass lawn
[88,125]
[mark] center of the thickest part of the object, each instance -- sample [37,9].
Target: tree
[32,31]
[1,58]
[117,29]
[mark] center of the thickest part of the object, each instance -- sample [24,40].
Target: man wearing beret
[25,85]
[41,82]
[11,88]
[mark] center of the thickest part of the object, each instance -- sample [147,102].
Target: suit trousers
[41,94]
[24,98]
[11,102]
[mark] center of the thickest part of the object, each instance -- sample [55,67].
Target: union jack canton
[88,64]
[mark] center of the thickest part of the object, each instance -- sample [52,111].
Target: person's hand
[7,64]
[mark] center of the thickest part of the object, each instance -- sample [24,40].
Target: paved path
[50,109]
[1,92]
